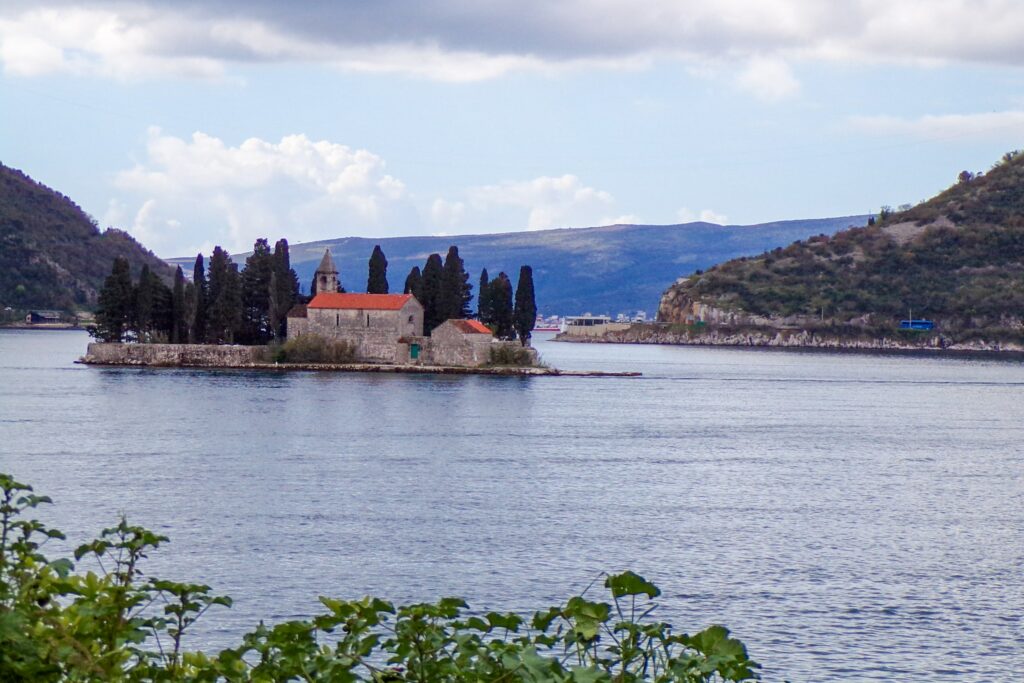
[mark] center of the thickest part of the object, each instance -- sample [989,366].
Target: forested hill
[957,258]
[52,255]
[609,269]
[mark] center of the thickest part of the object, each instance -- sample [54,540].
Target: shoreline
[805,342]
[234,357]
[383,368]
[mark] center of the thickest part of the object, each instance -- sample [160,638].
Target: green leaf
[628,583]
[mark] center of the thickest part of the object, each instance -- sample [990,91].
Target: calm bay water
[848,517]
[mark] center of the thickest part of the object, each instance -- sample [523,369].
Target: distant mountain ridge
[608,269]
[957,259]
[52,254]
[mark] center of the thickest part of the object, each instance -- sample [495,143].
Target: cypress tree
[162,320]
[501,303]
[224,315]
[259,266]
[115,303]
[200,299]
[526,305]
[414,284]
[144,296]
[377,278]
[483,309]
[284,289]
[179,326]
[433,272]
[456,292]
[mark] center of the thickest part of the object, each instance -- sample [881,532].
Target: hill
[52,254]
[957,258]
[610,269]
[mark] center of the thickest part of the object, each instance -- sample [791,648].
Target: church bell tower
[325,279]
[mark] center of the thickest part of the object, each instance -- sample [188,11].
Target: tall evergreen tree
[433,273]
[456,292]
[414,284]
[179,324]
[115,303]
[377,278]
[153,314]
[256,275]
[501,303]
[284,289]
[200,299]
[483,296]
[163,309]
[525,313]
[142,321]
[224,315]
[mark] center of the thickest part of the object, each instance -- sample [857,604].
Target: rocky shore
[791,339]
[252,358]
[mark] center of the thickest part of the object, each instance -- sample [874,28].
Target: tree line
[221,304]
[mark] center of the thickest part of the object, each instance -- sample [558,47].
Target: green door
[414,351]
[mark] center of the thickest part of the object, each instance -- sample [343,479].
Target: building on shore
[388,328]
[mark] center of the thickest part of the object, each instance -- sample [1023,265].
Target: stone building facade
[388,328]
[465,343]
[373,323]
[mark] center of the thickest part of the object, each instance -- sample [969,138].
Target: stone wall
[449,346]
[594,330]
[373,333]
[189,355]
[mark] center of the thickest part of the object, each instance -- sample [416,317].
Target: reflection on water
[849,517]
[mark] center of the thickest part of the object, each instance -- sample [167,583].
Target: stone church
[387,328]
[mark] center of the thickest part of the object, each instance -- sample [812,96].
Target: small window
[410,320]
[367,319]
[337,319]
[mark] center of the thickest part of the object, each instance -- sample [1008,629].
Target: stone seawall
[791,339]
[180,355]
[210,356]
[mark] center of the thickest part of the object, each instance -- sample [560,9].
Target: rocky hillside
[52,255]
[957,259]
[610,269]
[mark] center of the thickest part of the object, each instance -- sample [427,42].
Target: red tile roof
[366,302]
[471,327]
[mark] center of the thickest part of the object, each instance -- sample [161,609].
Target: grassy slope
[52,255]
[957,258]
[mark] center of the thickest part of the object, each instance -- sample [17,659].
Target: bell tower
[325,279]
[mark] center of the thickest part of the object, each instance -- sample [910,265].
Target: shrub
[312,348]
[510,354]
[58,625]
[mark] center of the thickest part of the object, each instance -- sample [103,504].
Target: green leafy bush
[312,348]
[116,625]
[510,354]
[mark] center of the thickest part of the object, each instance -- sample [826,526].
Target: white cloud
[204,189]
[190,193]
[998,125]
[549,202]
[455,41]
[685,215]
[768,78]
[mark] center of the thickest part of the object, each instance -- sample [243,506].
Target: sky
[193,124]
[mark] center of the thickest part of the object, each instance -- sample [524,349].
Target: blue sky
[194,124]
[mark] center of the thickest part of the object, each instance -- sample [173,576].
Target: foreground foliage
[119,625]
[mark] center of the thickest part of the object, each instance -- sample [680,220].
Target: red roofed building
[388,328]
[461,342]
[372,323]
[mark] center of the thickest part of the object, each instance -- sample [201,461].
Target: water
[848,517]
